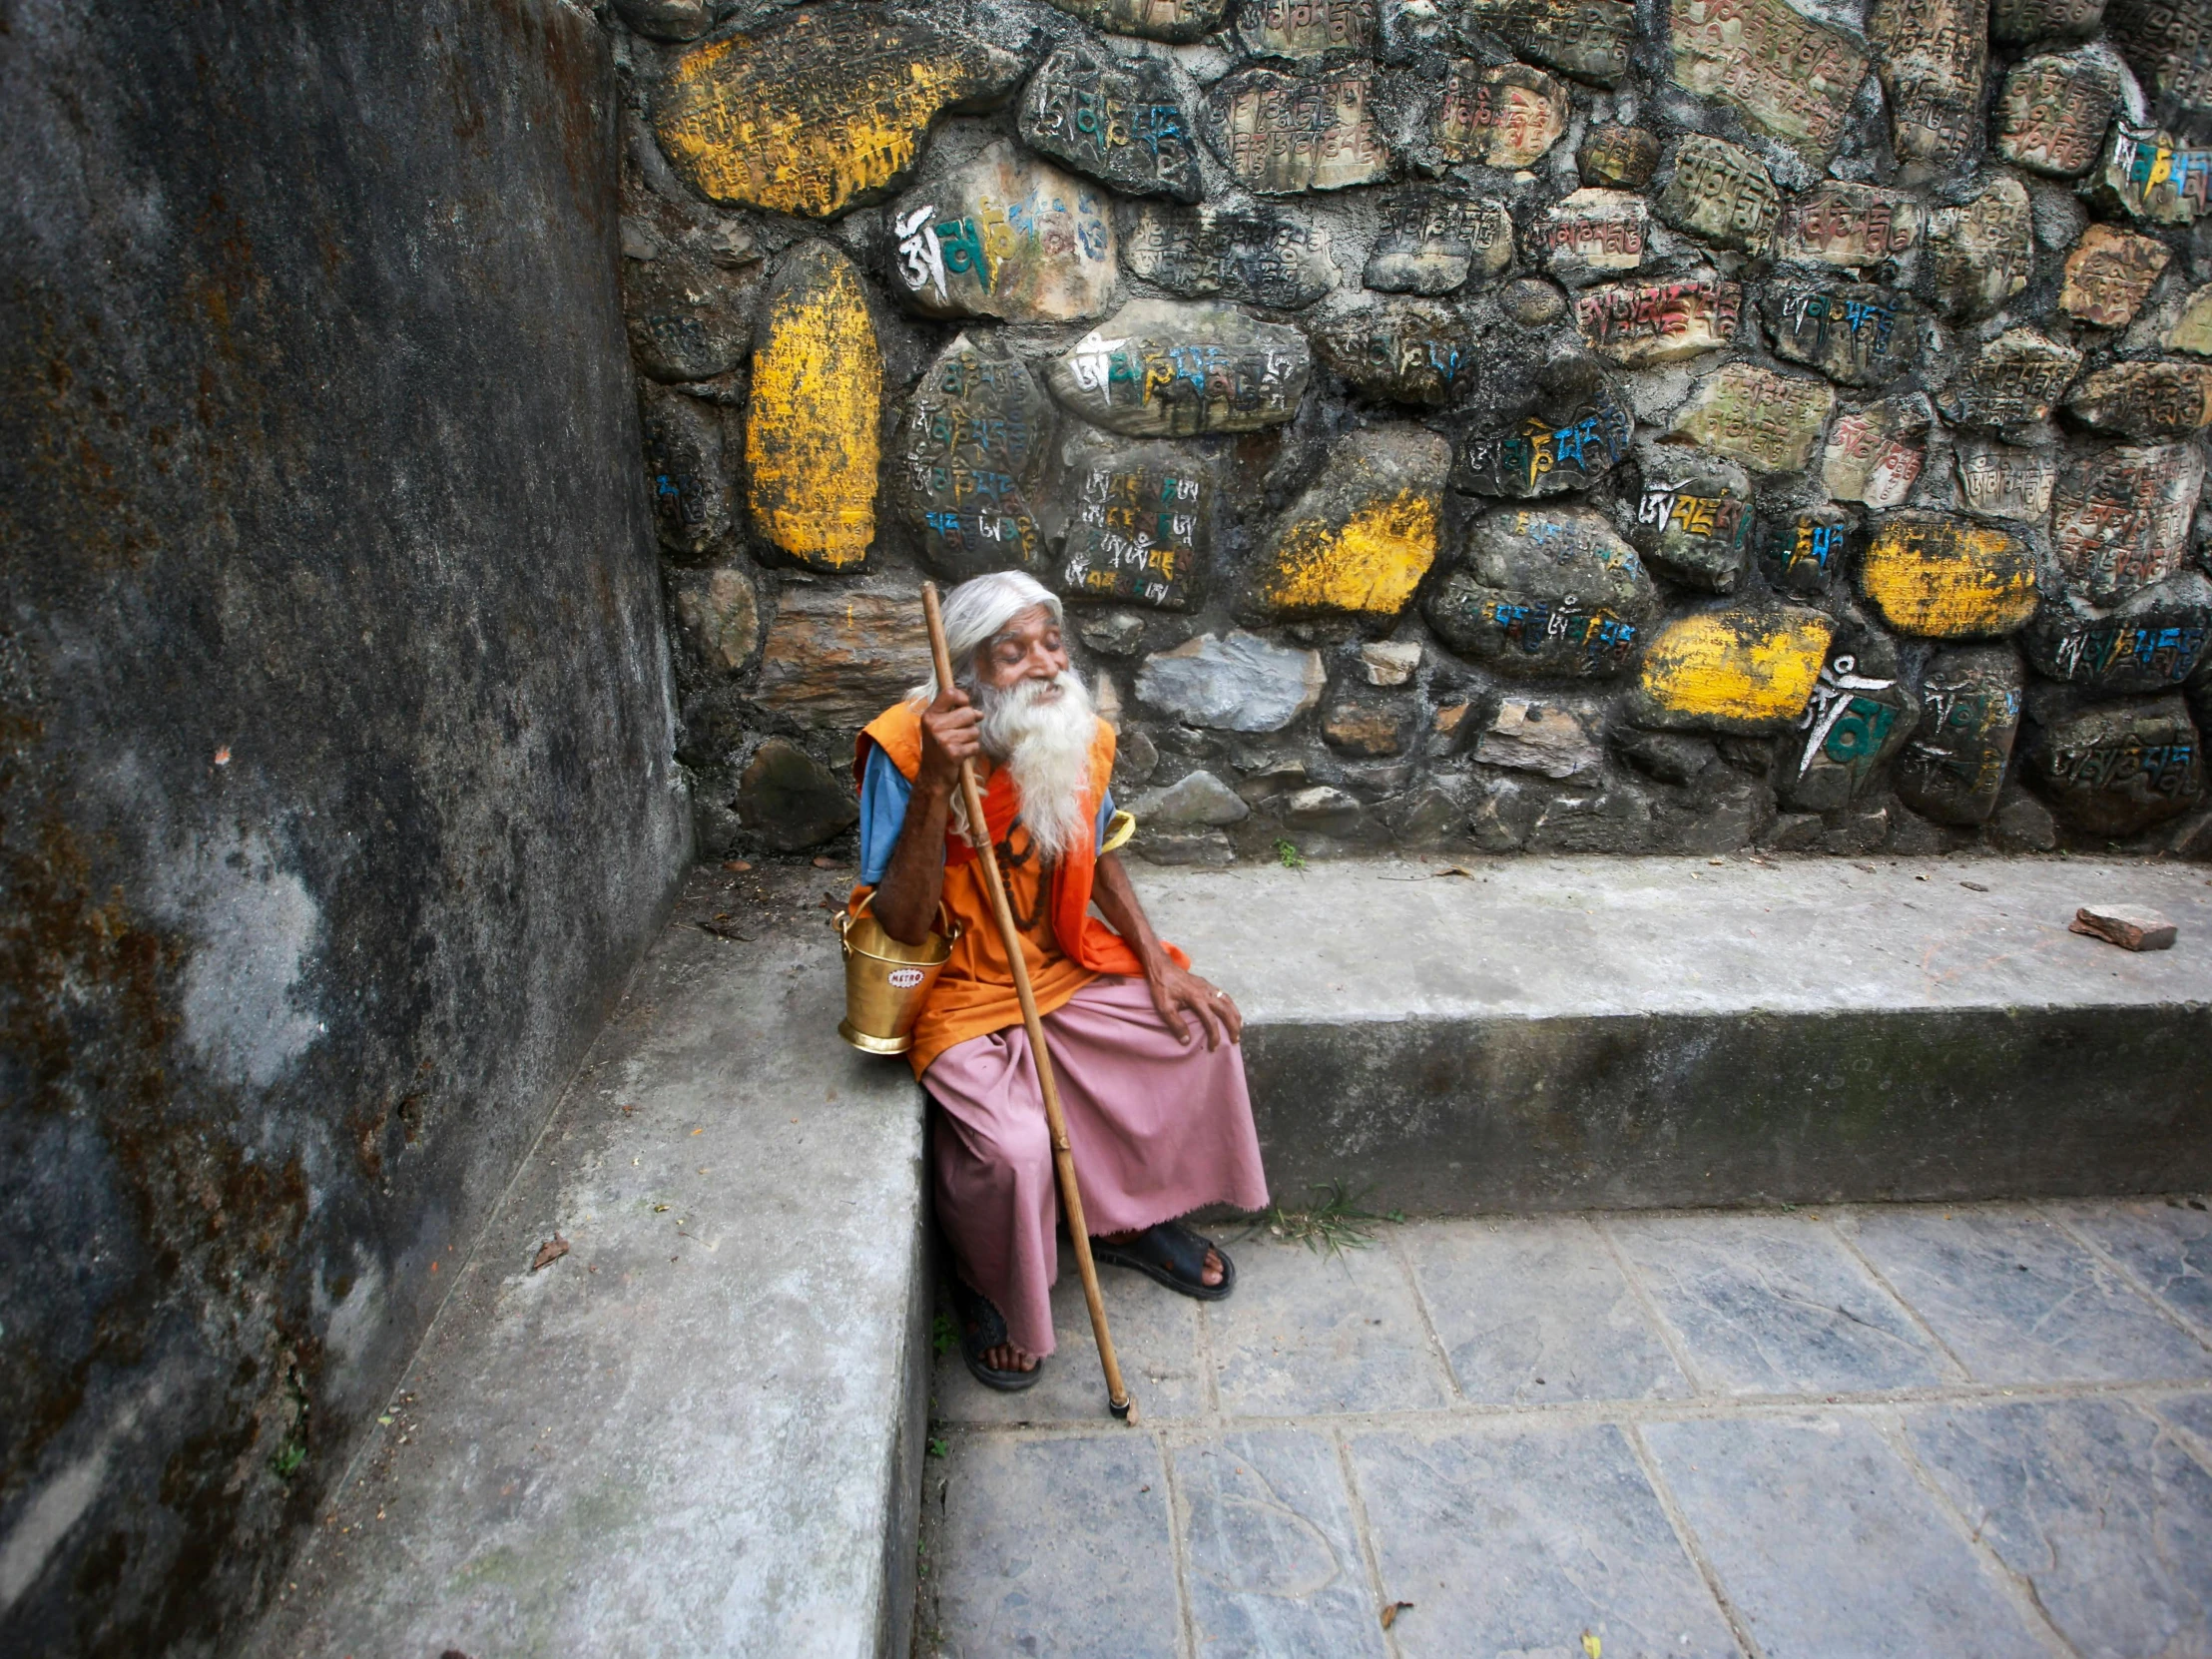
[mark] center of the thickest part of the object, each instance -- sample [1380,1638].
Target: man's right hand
[951,733]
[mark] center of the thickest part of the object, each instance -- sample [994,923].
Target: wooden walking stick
[1063,1160]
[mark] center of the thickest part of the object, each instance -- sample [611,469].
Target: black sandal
[1174,1256]
[983,1328]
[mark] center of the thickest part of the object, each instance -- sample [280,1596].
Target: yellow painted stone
[1736,669]
[2192,332]
[812,435]
[1948,579]
[1367,566]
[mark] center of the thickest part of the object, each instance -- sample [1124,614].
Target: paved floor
[1924,1432]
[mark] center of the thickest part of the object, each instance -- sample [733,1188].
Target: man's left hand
[1176,988]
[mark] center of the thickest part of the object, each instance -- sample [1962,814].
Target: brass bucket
[887,981]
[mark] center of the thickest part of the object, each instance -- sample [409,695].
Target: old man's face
[1027,648]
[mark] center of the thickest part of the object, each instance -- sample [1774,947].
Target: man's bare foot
[1209,1274]
[1006,1357]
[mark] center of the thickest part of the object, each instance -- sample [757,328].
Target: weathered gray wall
[336,790]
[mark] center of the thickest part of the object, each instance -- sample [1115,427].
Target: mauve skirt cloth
[1158,1128]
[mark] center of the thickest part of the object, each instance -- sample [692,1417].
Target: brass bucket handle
[950,926]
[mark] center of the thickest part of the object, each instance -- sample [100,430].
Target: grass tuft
[1334,1222]
[1287,854]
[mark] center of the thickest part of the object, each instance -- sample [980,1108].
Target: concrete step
[1622,1033]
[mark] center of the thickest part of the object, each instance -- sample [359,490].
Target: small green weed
[1288,855]
[288,1457]
[940,1448]
[1334,1220]
[945,1336]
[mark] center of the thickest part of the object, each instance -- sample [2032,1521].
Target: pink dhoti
[1158,1128]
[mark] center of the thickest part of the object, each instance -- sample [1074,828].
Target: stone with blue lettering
[686,470]
[968,456]
[2116,769]
[1564,434]
[1137,520]
[1545,593]
[2152,640]
[1119,120]
[1406,350]
[1951,769]
[1856,334]
[1808,552]
[1163,368]
[1005,236]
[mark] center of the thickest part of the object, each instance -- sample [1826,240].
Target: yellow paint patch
[1943,579]
[1737,668]
[1368,567]
[811,437]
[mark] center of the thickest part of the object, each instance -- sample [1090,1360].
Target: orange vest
[1064,945]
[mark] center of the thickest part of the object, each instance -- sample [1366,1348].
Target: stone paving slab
[2165,1247]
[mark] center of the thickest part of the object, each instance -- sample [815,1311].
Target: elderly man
[1151,1079]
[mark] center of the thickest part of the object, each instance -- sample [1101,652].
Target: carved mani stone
[1691,518]
[1624,158]
[1749,670]
[1303,30]
[1860,714]
[1117,119]
[1722,192]
[970,452]
[2116,769]
[1951,769]
[1004,236]
[2168,42]
[1502,115]
[2003,480]
[1360,538]
[1169,20]
[1589,39]
[1933,55]
[1806,552]
[1158,369]
[2108,273]
[1855,334]
[1947,578]
[1281,133]
[1769,421]
[1139,518]
[2153,177]
[810,434]
[1565,433]
[1593,232]
[1262,253]
[1791,78]
[2121,517]
[2152,640]
[1408,350]
[687,320]
[2024,20]
[2054,111]
[1849,226]
[1430,242]
[1982,251]
[685,470]
[1639,324]
[818,109]
[2158,399]
[2013,381]
[1874,454]
[1545,593]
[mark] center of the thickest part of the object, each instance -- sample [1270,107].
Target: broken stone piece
[790,800]
[1531,735]
[2129,926]
[1201,798]
[1387,664]
[1236,682]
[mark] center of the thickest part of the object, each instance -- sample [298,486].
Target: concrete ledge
[1575,1032]
[700,1431]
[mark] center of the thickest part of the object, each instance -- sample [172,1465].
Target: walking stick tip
[1126,1410]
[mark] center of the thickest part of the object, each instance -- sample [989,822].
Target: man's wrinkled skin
[1029,646]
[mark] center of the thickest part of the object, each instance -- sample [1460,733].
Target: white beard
[1047,747]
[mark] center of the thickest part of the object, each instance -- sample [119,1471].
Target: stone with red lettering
[2003,481]
[1119,120]
[1563,434]
[2054,111]
[1874,454]
[2108,273]
[1280,134]
[2024,20]
[1306,30]
[1849,226]
[1138,521]
[2157,399]
[2152,640]
[2168,42]
[1500,115]
[1952,766]
[1004,236]
[2121,517]
[1258,252]
[2116,769]
[968,456]
[1853,332]
[1640,323]
[2013,381]
[1623,158]
[1808,551]
[1432,242]
[1408,350]
[1690,516]
[1167,368]
[1593,232]
[1546,594]
[1982,251]
[1933,55]
[1169,20]
[1789,76]
[1769,421]
[1721,191]
[1592,40]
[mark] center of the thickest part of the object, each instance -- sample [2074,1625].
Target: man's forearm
[1117,902]
[906,897]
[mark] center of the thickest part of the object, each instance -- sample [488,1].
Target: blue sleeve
[883,796]
[1105,816]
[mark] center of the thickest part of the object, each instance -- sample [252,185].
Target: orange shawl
[1064,945]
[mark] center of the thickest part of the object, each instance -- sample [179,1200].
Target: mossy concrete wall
[336,786]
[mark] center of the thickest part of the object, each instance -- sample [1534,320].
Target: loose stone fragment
[837,656]
[810,437]
[1325,812]
[1946,578]
[1387,664]
[1528,735]
[1160,368]
[1169,20]
[1750,670]
[790,801]
[1237,682]
[1430,242]
[2121,517]
[2003,480]
[1303,30]
[1589,39]
[1983,251]
[719,615]
[1806,551]
[1361,723]
[685,470]
[2168,42]
[1769,421]
[1791,78]
[687,320]
[1693,517]
[1593,230]
[2015,380]
[2021,20]
[1546,594]
[819,108]
[1951,769]
[2151,640]
[1722,192]
[1639,324]
[1531,302]
[1117,119]
[1410,350]
[1849,225]
[2116,769]
[1623,157]
[2154,177]
[1853,332]
[2107,275]
[1502,115]
[969,454]
[2192,330]
[1569,430]
[2054,111]
[1279,134]
[1362,536]
[1200,798]
[1860,714]
[1139,519]
[1004,236]
[1874,454]
[1933,55]
[2157,399]
[1260,254]
[2130,926]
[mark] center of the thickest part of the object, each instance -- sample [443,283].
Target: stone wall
[1556,424]
[336,797]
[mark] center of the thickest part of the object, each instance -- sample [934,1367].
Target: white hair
[976,613]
